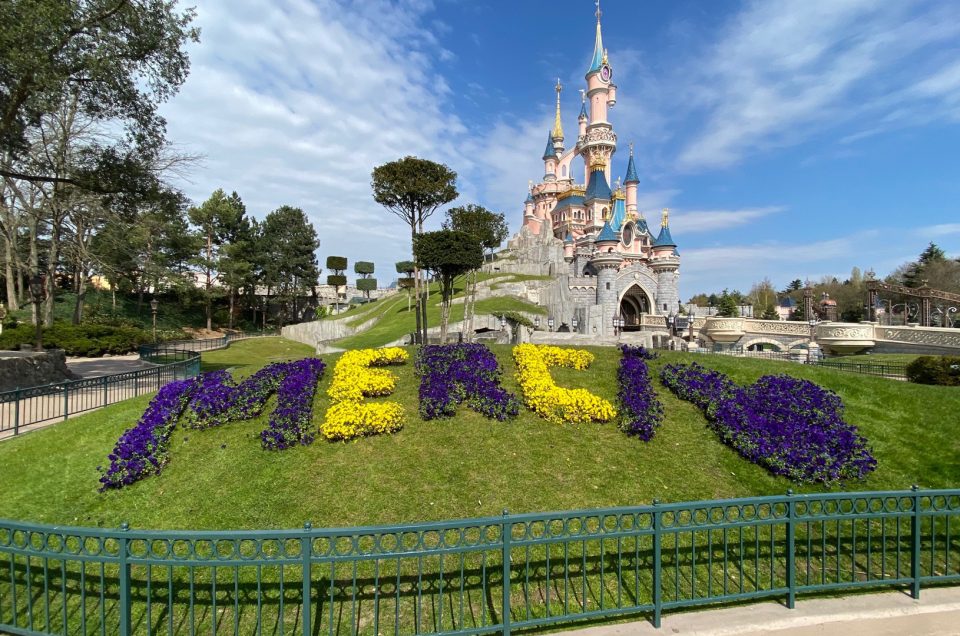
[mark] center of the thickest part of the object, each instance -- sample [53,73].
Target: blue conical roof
[529,198]
[619,214]
[607,234]
[597,60]
[597,186]
[631,171]
[664,240]
[642,225]
[583,110]
[551,151]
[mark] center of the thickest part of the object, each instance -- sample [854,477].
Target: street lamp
[692,315]
[503,323]
[153,309]
[813,326]
[550,324]
[574,323]
[536,322]
[38,293]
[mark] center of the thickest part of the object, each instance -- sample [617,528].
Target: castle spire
[599,54]
[557,126]
[631,168]
[665,218]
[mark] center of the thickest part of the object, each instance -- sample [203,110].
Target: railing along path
[23,408]
[449,577]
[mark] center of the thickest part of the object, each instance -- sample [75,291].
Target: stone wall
[21,369]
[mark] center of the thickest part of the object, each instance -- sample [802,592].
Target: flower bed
[353,379]
[211,400]
[144,449]
[640,410]
[790,426]
[453,374]
[291,423]
[550,401]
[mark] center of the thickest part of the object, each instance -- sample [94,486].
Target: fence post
[791,549]
[915,543]
[506,533]
[66,400]
[306,551]
[16,412]
[124,583]
[103,381]
[657,567]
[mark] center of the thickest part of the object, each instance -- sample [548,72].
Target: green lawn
[462,467]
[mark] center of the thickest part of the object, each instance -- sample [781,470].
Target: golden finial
[557,126]
[665,219]
[599,13]
[605,60]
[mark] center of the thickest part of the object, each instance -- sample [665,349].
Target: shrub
[82,340]
[942,370]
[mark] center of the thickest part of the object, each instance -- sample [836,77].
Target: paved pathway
[936,613]
[94,367]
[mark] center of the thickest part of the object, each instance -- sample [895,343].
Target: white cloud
[934,231]
[692,221]
[783,71]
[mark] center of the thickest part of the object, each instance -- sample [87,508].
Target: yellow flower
[353,380]
[544,397]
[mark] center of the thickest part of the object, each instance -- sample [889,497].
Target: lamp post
[813,326]
[503,323]
[536,322]
[550,324]
[574,323]
[692,315]
[153,309]
[38,293]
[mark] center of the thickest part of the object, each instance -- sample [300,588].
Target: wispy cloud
[783,71]
[934,231]
[692,221]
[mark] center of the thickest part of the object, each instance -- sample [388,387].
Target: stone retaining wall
[21,369]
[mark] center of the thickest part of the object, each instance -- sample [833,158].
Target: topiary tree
[448,254]
[365,283]
[337,264]
[406,281]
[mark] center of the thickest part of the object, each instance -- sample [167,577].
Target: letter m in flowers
[452,374]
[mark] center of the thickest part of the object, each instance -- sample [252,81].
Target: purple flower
[792,427]
[640,410]
[453,374]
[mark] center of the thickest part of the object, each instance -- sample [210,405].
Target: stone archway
[633,303]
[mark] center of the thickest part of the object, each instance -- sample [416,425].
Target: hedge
[79,340]
[943,370]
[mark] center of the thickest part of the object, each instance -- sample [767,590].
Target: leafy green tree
[338,265]
[490,230]
[238,258]
[727,305]
[120,58]
[365,283]
[413,189]
[216,218]
[763,297]
[288,259]
[406,281]
[448,254]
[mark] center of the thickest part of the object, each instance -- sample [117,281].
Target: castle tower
[665,263]
[582,119]
[599,143]
[631,183]
[606,261]
[557,134]
[550,160]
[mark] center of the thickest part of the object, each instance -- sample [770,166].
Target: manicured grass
[462,467]
[879,358]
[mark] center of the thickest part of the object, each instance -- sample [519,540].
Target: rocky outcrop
[21,369]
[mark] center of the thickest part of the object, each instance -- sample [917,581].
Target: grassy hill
[462,467]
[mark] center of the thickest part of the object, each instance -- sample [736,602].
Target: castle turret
[665,264]
[550,160]
[597,198]
[582,119]
[557,133]
[599,141]
[631,185]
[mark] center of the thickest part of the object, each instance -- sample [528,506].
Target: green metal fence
[176,360]
[882,369]
[448,577]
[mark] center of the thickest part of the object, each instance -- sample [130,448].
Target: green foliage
[405,282]
[413,188]
[337,280]
[120,60]
[82,340]
[770,313]
[405,267]
[337,263]
[514,317]
[489,228]
[367,284]
[727,306]
[287,252]
[364,268]
[320,312]
[448,254]
[943,370]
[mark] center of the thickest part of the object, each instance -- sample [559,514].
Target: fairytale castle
[592,238]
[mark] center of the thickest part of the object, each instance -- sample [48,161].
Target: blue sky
[789,139]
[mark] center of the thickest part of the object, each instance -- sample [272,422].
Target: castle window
[604,213]
[608,286]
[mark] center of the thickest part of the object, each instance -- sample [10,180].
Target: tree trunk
[444,316]
[52,257]
[416,287]
[209,286]
[230,320]
[12,301]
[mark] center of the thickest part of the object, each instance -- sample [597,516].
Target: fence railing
[176,360]
[473,576]
[882,369]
